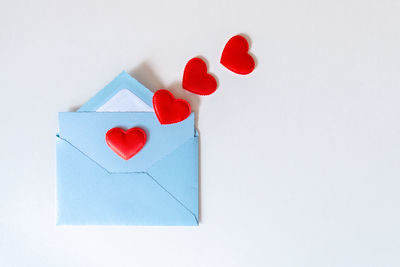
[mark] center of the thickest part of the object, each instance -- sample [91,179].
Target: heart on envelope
[126,144]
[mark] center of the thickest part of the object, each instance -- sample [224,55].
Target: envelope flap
[86,131]
[122,82]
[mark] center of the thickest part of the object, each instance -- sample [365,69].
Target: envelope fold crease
[178,174]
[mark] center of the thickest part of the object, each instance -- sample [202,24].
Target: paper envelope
[158,186]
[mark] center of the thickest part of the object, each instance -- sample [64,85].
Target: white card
[125,101]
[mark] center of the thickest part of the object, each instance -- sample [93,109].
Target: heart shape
[236,57]
[126,144]
[196,79]
[168,109]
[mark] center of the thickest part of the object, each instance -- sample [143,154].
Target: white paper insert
[125,101]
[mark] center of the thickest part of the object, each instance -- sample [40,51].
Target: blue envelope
[158,186]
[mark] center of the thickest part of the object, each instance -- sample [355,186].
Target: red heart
[196,79]
[235,56]
[168,109]
[126,143]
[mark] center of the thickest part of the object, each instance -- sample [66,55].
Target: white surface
[125,101]
[300,161]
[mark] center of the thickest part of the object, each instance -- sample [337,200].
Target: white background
[300,160]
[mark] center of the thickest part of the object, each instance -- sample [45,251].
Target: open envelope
[158,186]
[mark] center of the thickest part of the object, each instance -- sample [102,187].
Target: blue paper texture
[158,186]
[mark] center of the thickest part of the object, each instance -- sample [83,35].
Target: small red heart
[168,109]
[126,144]
[196,79]
[236,57]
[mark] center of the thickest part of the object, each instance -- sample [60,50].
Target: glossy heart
[126,144]
[196,79]
[168,109]
[236,57]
